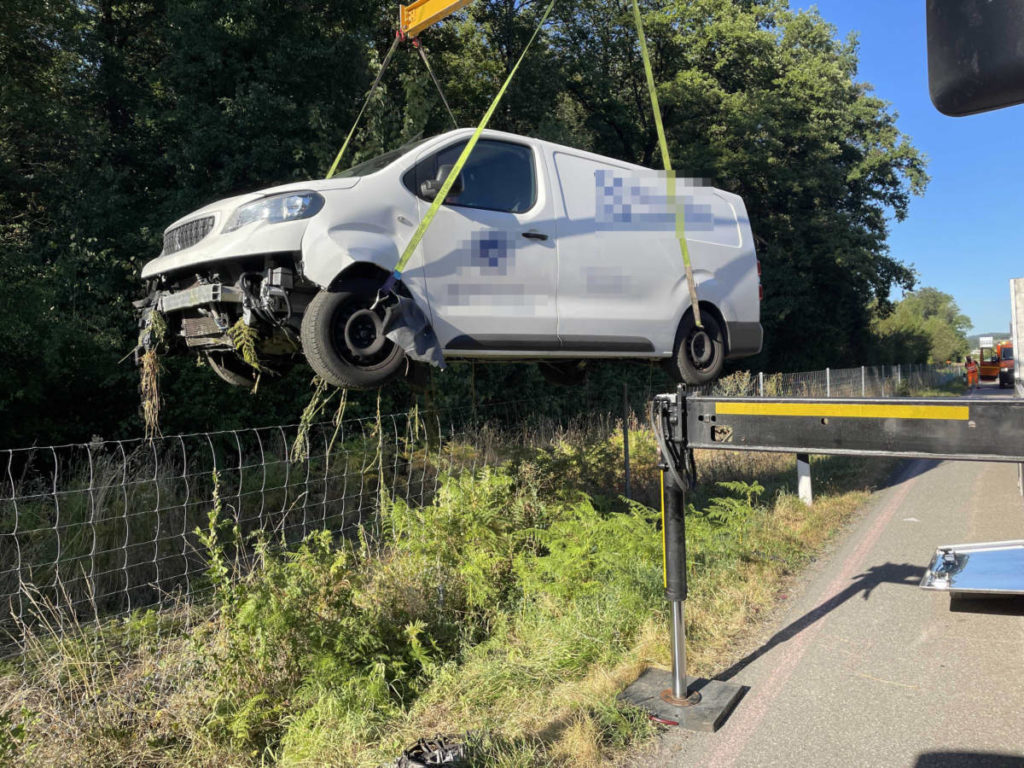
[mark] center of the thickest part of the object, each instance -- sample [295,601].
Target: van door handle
[535,235]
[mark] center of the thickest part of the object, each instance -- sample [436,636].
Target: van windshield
[379,162]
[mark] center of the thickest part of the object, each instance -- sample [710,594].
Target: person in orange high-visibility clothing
[972,374]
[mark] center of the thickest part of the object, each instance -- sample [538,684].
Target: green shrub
[515,604]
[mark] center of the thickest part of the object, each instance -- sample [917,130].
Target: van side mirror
[975,59]
[430,188]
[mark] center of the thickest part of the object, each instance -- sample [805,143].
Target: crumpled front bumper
[197,330]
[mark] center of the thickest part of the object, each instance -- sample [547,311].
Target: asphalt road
[864,668]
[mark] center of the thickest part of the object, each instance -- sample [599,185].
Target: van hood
[213,246]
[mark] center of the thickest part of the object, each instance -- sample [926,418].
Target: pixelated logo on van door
[491,254]
[492,249]
[642,203]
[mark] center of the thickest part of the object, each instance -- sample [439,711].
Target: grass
[513,595]
[952,388]
[514,604]
[110,526]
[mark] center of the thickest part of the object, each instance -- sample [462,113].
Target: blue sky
[965,236]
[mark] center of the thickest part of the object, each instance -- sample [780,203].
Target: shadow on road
[908,470]
[968,760]
[889,573]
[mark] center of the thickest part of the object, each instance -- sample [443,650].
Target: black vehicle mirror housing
[430,188]
[975,55]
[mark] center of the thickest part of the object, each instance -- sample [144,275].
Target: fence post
[863,391]
[760,382]
[828,383]
[625,436]
[803,478]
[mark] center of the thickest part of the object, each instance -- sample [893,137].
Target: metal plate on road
[995,568]
[971,429]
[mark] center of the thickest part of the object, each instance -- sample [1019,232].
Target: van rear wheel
[700,352]
[343,338]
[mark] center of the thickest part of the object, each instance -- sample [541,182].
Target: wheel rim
[364,333]
[357,334]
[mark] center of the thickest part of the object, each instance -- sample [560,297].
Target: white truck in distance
[540,252]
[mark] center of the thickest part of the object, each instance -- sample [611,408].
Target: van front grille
[187,235]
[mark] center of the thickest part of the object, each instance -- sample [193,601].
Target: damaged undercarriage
[251,319]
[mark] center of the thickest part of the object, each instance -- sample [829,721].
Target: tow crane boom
[420,14]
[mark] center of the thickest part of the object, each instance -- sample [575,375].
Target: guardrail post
[760,382]
[803,478]
[899,376]
[828,383]
[863,391]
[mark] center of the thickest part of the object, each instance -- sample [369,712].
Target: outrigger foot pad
[706,707]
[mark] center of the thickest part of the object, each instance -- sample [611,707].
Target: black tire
[699,356]
[564,373]
[231,369]
[324,339]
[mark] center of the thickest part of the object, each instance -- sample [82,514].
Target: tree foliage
[926,326]
[117,117]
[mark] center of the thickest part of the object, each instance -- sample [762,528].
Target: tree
[117,117]
[764,102]
[926,326]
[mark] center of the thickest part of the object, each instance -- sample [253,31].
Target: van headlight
[287,207]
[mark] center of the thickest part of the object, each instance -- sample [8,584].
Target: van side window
[498,176]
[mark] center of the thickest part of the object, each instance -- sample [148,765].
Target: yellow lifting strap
[680,208]
[421,230]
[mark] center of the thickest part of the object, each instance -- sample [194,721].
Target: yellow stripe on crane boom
[846,410]
[420,14]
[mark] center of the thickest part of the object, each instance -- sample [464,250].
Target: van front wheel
[343,338]
[700,352]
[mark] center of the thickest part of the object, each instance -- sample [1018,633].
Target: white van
[540,252]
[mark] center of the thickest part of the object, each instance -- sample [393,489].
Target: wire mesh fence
[106,528]
[865,381]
